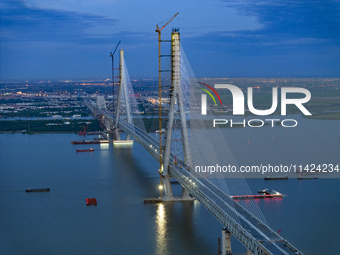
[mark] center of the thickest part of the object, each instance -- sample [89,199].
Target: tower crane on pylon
[159,30]
[112,53]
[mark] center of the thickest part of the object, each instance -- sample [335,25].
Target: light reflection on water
[161,231]
[104,146]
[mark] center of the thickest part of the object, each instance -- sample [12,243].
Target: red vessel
[91,201]
[266,194]
[85,150]
[256,196]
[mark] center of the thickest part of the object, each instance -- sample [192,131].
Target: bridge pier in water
[226,242]
[111,135]
[168,195]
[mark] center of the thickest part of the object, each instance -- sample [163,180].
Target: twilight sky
[72,39]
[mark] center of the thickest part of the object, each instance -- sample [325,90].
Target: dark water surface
[59,222]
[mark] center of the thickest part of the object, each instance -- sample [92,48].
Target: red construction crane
[159,30]
[83,130]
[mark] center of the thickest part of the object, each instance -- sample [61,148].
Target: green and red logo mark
[209,93]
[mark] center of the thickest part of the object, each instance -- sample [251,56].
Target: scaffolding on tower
[161,147]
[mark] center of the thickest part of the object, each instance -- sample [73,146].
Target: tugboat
[91,149]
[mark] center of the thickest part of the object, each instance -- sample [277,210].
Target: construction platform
[126,142]
[163,199]
[90,142]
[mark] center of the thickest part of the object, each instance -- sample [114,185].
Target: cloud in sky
[297,38]
[72,39]
[303,19]
[196,16]
[22,23]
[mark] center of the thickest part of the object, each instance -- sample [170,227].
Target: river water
[59,222]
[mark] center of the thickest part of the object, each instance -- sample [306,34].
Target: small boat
[276,177]
[91,201]
[91,149]
[262,191]
[38,190]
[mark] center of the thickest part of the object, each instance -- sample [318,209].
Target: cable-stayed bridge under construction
[237,220]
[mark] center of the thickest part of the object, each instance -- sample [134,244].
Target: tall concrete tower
[176,99]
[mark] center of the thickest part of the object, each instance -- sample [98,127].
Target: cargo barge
[38,190]
[307,177]
[276,177]
[255,196]
[266,193]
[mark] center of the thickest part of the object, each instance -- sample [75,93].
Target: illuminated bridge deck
[254,234]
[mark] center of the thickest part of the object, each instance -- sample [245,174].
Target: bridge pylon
[122,92]
[175,104]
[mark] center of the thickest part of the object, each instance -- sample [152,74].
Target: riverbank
[48,126]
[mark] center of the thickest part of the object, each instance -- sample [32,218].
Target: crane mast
[112,53]
[159,31]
